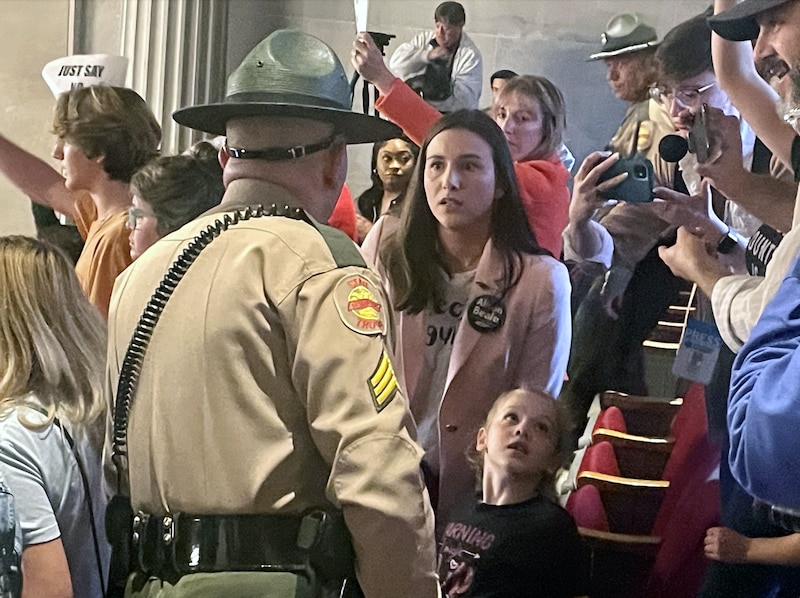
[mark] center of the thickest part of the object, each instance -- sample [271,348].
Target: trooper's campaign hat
[289,74]
[625,33]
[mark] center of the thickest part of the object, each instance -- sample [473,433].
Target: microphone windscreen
[673,147]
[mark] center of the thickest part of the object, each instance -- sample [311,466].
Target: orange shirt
[106,251]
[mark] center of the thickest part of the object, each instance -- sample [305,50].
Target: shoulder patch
[359,303]
[382,383]
[645,139]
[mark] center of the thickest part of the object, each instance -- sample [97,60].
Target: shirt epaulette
[344,251]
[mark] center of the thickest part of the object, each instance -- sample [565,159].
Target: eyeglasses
[688,97]
[136,214]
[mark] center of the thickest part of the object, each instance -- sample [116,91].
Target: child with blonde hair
[516,541]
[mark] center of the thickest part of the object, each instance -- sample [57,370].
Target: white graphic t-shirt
[441,327]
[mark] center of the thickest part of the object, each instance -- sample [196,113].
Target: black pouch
[331,554]
[119,532]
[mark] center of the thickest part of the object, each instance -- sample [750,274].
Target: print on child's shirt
[460,550]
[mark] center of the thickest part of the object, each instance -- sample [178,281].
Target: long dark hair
[369,202]
[412,255]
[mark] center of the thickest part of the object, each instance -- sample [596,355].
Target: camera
[638,187]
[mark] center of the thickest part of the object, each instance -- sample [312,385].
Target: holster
[119,532]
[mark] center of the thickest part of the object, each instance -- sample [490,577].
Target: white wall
[545,37]
[34,32]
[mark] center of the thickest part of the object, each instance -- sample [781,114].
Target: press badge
[698,353]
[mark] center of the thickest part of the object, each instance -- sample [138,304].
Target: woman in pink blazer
[481,308]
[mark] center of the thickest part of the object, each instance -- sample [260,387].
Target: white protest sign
[82,70]
[361,8]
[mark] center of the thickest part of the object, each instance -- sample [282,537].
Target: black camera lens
[639,171]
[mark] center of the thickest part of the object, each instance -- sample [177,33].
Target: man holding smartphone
[623,307]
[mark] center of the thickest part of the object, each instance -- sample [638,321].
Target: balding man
[267,405]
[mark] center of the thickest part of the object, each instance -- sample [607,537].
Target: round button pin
[486,313]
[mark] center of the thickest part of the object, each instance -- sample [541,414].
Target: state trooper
[255,401]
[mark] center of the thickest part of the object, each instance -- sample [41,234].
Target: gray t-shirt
[42,473]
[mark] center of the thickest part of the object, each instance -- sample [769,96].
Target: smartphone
[698,135]
[638,187]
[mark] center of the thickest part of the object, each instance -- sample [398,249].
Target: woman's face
[521,120]
[459,181]
[521,438]
[143,226]
[395,164]
[78,169]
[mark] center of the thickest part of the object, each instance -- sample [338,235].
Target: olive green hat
[625,33]
[291,74]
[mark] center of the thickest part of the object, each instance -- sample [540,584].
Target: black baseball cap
[740,22]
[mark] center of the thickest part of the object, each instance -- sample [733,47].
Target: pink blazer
[530,349]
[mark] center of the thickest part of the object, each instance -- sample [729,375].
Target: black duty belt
[172,546]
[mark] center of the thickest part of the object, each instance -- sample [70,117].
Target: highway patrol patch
[382,383]
[358,301]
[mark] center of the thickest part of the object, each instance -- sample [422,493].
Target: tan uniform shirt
[266,388]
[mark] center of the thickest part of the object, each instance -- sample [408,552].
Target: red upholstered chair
[644,416]
[600,457]
[621,563]
[611,418]
[638,456]
[586,508]
[631,504]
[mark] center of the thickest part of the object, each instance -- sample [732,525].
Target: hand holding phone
[637,187]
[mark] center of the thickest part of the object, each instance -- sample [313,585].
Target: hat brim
[739,23]
[626,50]
[355,127]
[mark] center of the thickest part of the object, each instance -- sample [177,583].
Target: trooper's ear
[223,155]
[334,169]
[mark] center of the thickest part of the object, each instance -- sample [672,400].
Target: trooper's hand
[367,59]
